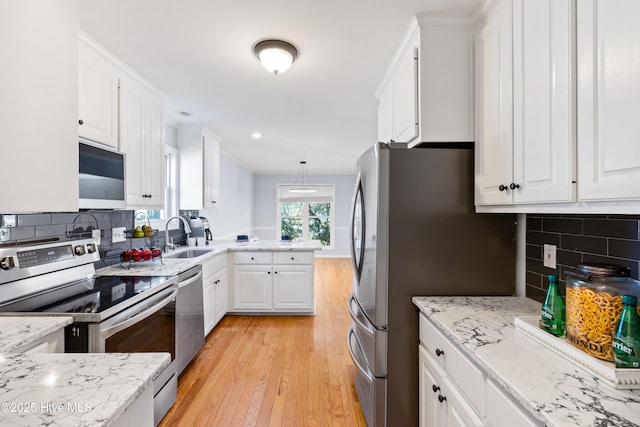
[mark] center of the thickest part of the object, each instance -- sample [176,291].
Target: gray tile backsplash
[73,225]
[613,239]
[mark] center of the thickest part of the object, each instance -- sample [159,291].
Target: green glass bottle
[553,311]
[626,338]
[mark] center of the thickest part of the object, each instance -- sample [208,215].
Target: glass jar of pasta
[594,304]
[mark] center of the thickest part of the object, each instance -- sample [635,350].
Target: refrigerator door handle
[356,316]
[362,367]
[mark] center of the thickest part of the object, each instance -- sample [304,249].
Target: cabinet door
[209,305]
[221,300]
[608,93]
[39,106]
[153,158]
[132,139]
[98,96]
[142,140]
[494,119]
[431,412]
[459,413]
[404,98]
[292,288]
[252,288]
[543,108]
[211,154]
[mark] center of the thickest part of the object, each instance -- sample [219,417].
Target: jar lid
[597,269]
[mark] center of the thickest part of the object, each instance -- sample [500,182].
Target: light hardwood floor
[276,370]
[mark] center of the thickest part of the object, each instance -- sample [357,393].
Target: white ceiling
[322,110]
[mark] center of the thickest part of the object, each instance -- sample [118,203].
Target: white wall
[264,202]
[233,216]
[170,134]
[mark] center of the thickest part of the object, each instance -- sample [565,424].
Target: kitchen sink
[190,253]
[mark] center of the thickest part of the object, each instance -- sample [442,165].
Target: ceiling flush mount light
[275,55]
[256,135]
[303,182]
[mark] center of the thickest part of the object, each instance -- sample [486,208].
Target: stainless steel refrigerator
[414,232]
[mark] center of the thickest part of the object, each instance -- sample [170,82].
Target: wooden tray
[605,371]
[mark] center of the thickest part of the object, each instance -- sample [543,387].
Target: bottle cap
[553,278]
[629,299]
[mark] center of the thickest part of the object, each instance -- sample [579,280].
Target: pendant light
[303,182]
[275,55]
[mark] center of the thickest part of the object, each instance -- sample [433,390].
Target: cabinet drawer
[293,257]
[252,257]
[462,371]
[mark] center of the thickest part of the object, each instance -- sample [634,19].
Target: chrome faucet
[168,242]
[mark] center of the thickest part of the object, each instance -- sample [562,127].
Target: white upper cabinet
[98,94]
[494,106]
[39,106]
[142,140]
[543,101]
[525,137]
[427,91]
[199,167]
[608,99]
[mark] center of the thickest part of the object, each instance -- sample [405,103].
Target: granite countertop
[18,331]
[552,389]
[73,389]
[168,266]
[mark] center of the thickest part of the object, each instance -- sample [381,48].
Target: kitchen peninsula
[522,378]
[113,389]
[267,277]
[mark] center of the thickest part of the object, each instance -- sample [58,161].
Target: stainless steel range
[111,313]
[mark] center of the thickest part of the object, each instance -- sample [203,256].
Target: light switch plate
[549,256]
[118,234]
[9,220]
[96,234]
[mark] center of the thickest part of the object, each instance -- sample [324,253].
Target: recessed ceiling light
[256,135]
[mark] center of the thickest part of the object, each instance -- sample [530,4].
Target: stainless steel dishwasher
[189,317]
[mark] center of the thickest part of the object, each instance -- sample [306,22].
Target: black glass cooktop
[92,295]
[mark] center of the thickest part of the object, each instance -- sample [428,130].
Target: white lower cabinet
[502,411]
[454,391]
[273,282]
[215,289]
[441,403]
[51,343]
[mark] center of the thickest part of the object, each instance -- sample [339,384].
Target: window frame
[305,212]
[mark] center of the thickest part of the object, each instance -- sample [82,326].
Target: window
[307,216]
[158,216]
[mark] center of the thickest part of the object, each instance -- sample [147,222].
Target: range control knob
[78,250]
[6,263]
[91,248]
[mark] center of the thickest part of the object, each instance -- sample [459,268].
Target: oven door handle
[190,280]
[138,317]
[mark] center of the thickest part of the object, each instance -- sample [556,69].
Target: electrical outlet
[118,234]
[550,256]
[96,234]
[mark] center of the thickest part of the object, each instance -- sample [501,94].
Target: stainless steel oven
[127,314]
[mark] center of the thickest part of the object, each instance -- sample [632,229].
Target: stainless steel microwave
[102,175]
